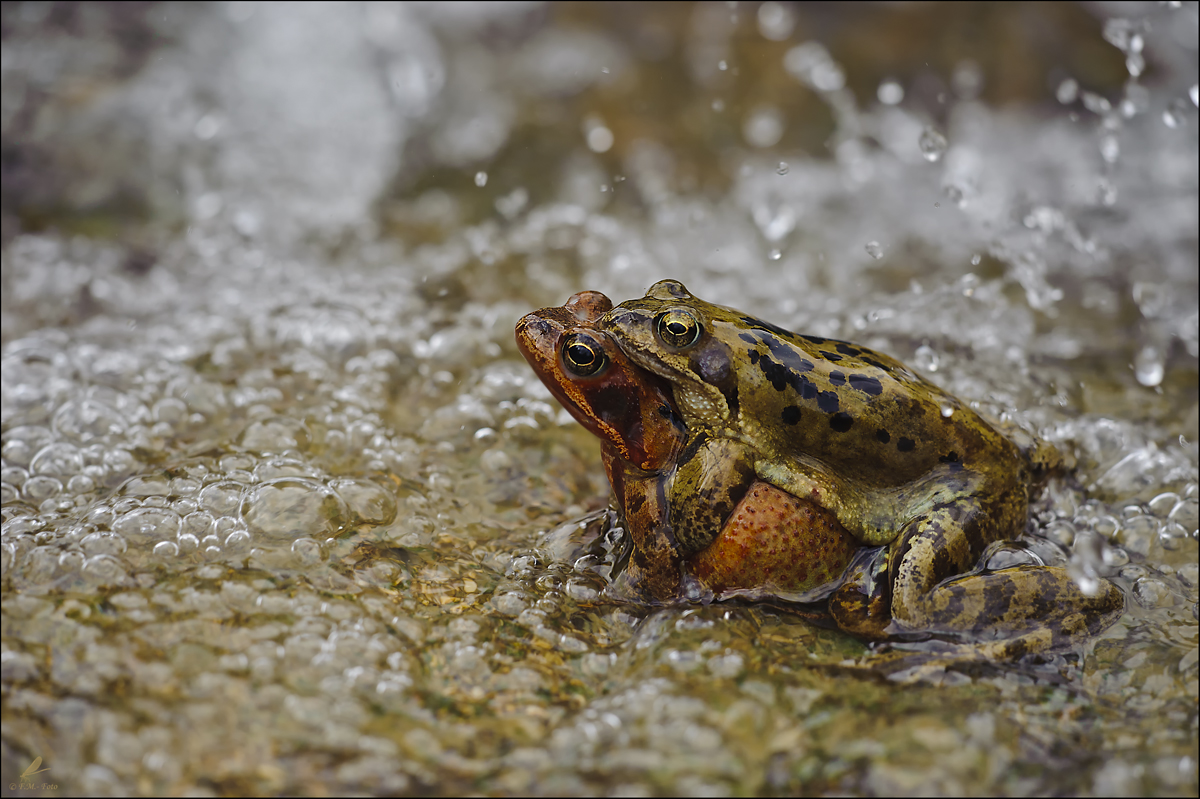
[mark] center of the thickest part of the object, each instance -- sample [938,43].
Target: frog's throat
[705,408]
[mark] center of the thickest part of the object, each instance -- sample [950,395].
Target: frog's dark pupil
[581,355]
[582,359]
[678,329]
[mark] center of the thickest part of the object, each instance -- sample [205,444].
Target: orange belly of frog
[774,541]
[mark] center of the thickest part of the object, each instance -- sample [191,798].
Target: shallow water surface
[285,511]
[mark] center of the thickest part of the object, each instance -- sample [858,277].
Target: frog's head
[626,407]
[675,335]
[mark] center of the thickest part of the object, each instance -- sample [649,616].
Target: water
[284,510]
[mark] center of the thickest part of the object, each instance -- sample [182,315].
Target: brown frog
[769,541]
[898,461]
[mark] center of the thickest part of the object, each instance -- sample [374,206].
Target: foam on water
[275,479]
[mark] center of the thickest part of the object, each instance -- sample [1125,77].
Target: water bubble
[1152,593]
[222,498]
[1148,366]
[276,434]
[103,543]
[763,127]
[148,523]
[782,169]
[41,487]
[775,21]
[933,145]
[1171,535]
[289,507]
[57,460]
[1067,91]
[1186,514]
[368,502]
[237,542]
[774,255]
[722,65]
[1135,64]
[890,92]
[307,551]
[481,179]
[874,249]
[87,420]
[1106,192]
[166,549]
[103,570]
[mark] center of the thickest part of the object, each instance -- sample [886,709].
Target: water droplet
[599,140]
[1110,148]
[1135,63]
[764,127]
[782,169]
[976,259]
[721,65]
[718,105]
[775,219]
[1148,366]
[1106,192]
[926,359]
[207,127]
[1095,103]
[947,411]
[890,92]
[874,250]
[775,21]
[481,179]
[1194,93]
[967,79]
[774,255]
[933,145]
[1175,114]
[1067,91]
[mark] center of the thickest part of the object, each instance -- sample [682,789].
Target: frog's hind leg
[1019,610]
[937,590]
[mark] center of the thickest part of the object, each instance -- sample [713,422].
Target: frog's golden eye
[583,356]
[678,328]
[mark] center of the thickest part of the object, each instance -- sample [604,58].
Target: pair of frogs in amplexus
[758,462]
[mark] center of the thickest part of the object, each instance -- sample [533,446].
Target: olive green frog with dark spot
[898,460]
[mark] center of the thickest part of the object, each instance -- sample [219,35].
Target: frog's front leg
[713,476]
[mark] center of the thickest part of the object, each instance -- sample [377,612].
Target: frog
[903,465]
[770,543]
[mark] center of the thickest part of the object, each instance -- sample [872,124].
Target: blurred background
[282,502]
